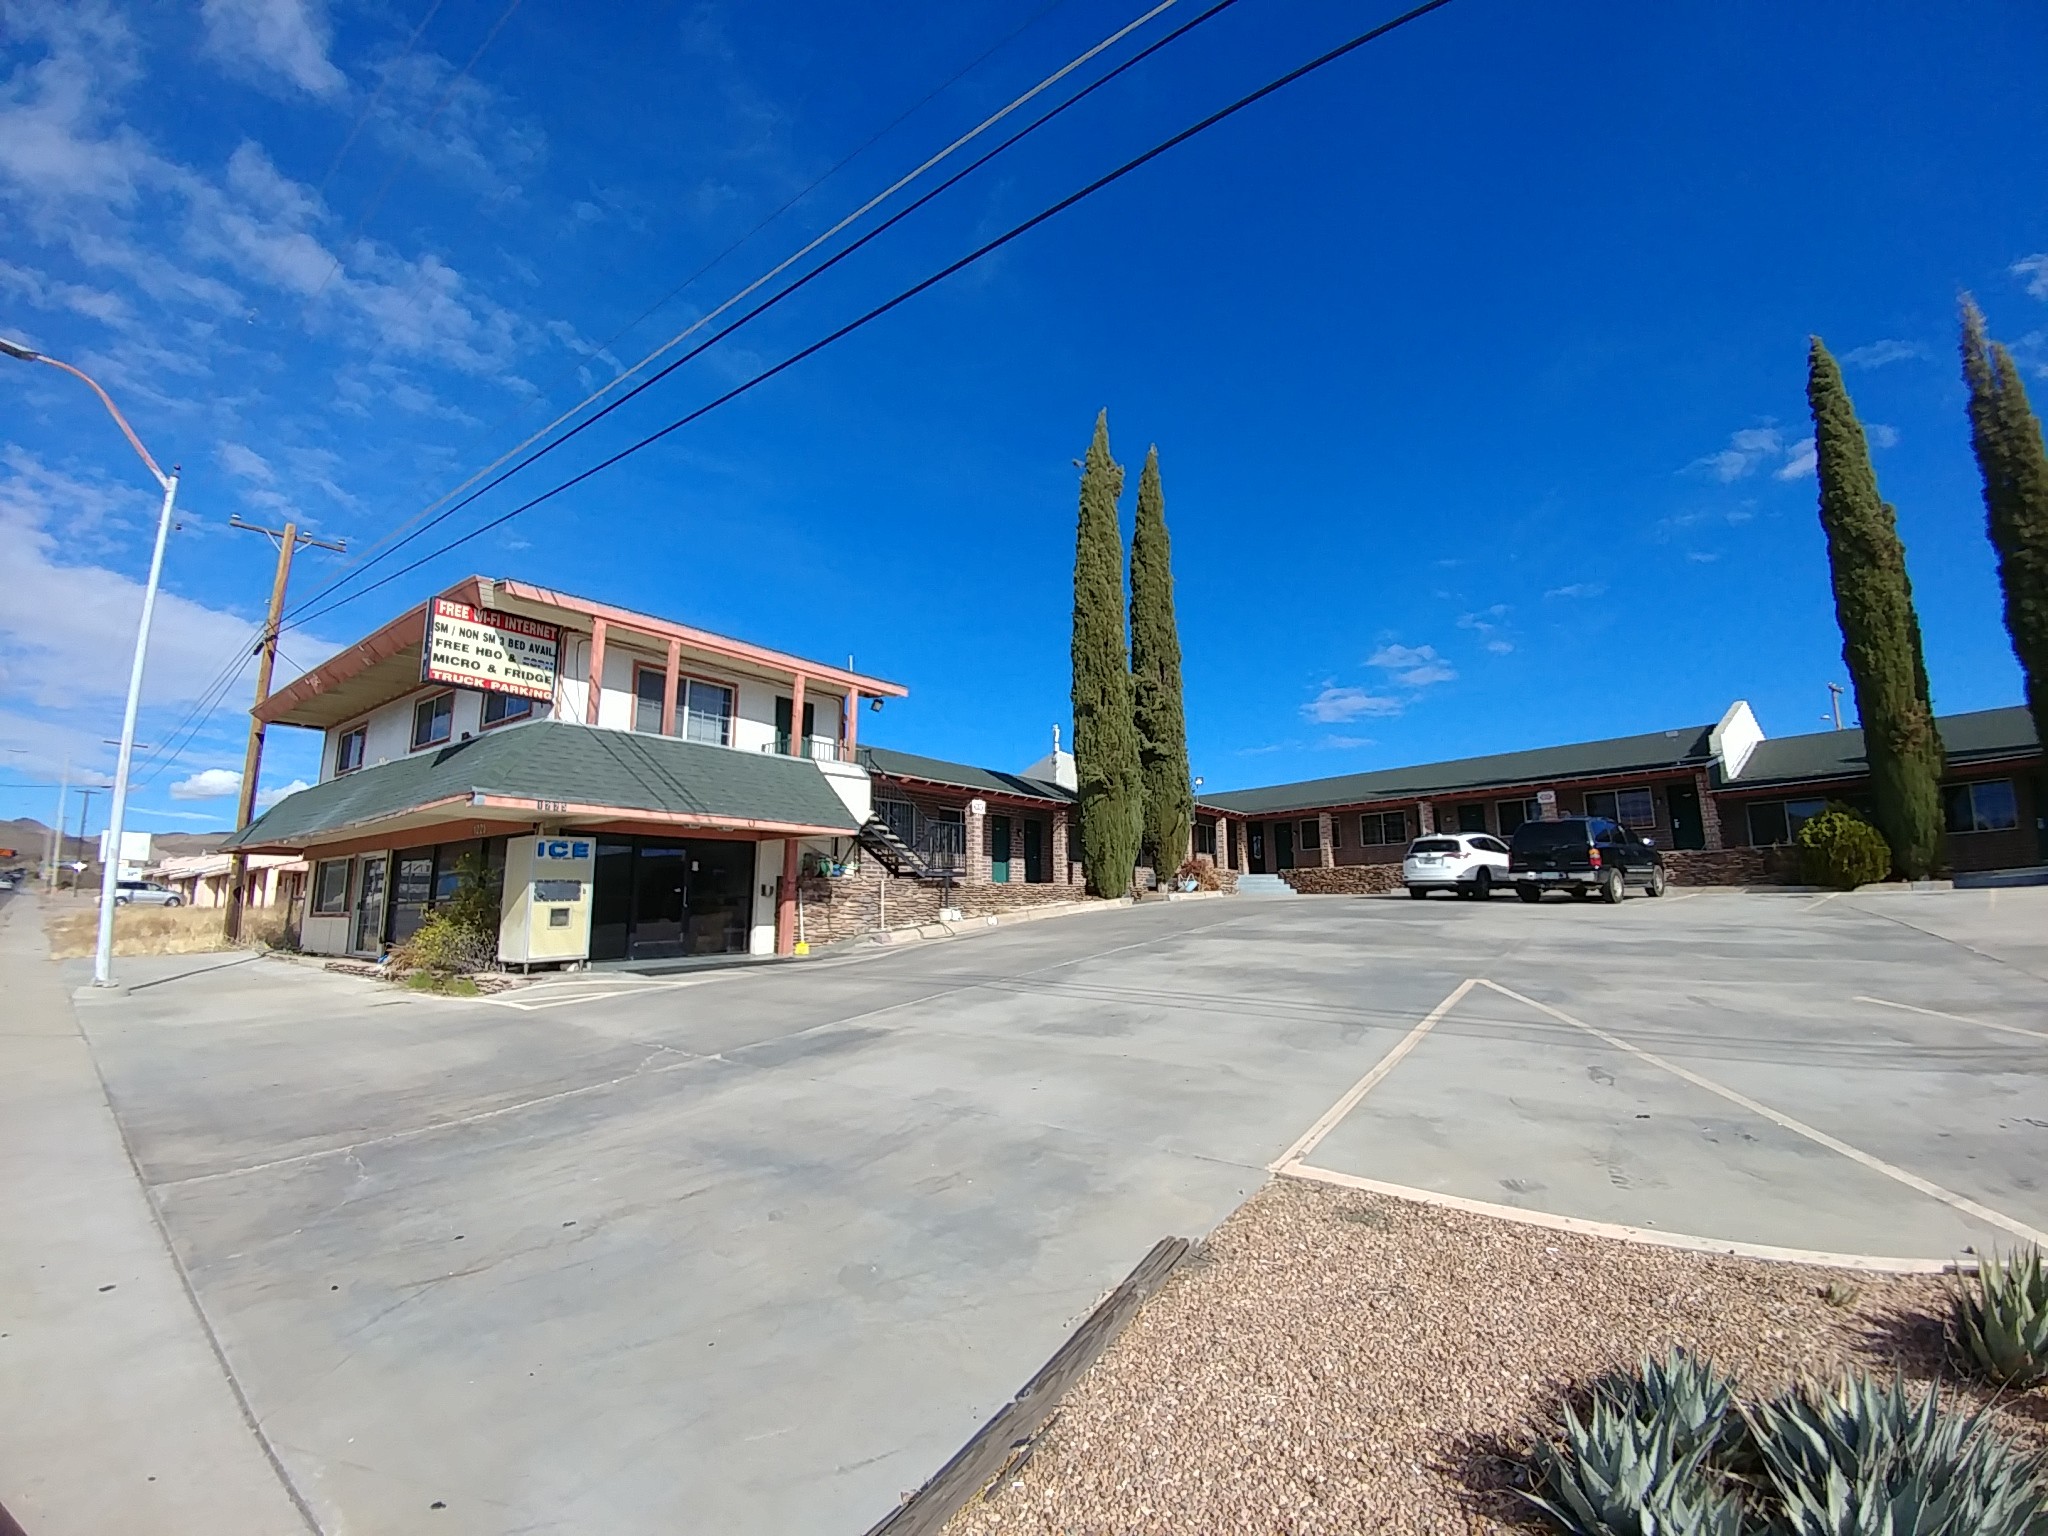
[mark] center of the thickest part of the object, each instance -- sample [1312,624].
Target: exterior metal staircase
[897,856]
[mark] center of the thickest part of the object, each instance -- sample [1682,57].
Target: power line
[987,249]
[818,271]
[376,98]
[372,558]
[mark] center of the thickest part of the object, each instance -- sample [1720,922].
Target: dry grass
[139,931]
[1348,1362]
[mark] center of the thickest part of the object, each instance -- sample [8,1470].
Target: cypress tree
[1156,700]
[1880,631]
[2006,436]
[1105,735]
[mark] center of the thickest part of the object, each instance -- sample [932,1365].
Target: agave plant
[1861,1459]
[2000,1326]
[1637,1464]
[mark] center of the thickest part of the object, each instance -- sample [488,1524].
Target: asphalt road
[757,1249]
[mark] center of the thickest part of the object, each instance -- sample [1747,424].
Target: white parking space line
[1358,1090]
[1936,1013]
[1899,1175]
[1653,1236]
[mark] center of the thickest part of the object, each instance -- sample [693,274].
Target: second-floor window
[433,721]
[348,752]
[503,708]
[650,692]
[707,712]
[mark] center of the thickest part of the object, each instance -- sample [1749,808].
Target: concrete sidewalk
[116,1413]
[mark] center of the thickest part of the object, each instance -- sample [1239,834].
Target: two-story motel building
[642,790]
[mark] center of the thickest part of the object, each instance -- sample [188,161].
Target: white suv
[145,893]
[1468,863]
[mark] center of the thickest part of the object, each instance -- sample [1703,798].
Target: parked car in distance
[145,893]
[1465,863]
[1583,854]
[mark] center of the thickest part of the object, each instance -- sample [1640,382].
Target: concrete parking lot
[757,1249]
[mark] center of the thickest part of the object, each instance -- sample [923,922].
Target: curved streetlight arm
[30,355]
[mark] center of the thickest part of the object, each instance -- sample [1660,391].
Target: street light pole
[110,872]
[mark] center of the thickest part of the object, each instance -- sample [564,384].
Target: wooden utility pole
[288,539]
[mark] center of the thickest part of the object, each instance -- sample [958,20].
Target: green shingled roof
[557,760]
[1622,754]
[908,765]
[1984,733]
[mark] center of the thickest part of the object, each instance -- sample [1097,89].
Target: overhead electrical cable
[989,248]
[376,99]
[375,555]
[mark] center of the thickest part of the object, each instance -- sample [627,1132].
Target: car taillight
[1596,858]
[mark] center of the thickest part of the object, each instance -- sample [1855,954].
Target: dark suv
[1582,854]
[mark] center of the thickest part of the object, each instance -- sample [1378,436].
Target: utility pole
[1835,691]
[288,539]
[84,809]
[57,833]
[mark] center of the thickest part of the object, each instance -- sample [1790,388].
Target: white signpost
[482,648]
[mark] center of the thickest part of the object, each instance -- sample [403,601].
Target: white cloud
[245,463]
[1701,556]
[1334,705]
[1882,436]
[1880,353]
[1578,589]
[209,784]
[290,37]
[1412,666]
[1345,743]
[2035,270]
[1799,460]
[266,798]
[1500,647]
[1746,450]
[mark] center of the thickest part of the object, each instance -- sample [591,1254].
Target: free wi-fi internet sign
[482,648]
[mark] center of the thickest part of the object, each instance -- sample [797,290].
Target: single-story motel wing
[644,790]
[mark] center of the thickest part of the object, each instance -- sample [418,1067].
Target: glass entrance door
[658,898]
[368,929]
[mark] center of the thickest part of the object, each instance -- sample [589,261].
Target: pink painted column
[785,901]
[597,633]
[797,745]
[668,687]
[852,720]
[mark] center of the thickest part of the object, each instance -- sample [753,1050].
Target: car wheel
[1656,883]
[175,901]
[1530,893]
[1482,884]
[1418,892]
[120,901]
[1611,888]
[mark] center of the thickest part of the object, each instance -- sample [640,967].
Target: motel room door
[1283,844]
[1255,846]
[1034,852]
[1687,829]
[999,850]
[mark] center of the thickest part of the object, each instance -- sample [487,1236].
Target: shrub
[1860,1459]
[1840,850]
[2000,1325]
[1202,872]
[1638,1465]
[461,934]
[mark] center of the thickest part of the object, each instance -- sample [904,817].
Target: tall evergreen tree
[1156,700]
[2007,439]
[1105,735]
[1880,631]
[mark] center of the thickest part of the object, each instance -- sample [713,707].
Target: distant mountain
[30,840]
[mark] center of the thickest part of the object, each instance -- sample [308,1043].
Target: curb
[1004,1442]
[962,927]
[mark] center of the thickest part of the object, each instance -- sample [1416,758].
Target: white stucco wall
[767,870]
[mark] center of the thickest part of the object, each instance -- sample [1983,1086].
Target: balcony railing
[824,749]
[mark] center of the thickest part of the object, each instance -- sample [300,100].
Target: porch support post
[1323,839]
[596,689]
[798,747]
[852,721]
[668,687]
[785,901]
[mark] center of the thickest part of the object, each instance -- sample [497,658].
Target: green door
[999,849]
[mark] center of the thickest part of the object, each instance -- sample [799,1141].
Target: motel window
[650,692]
[504,708]
[1472,818]
[1772,822]
[348,752]
[1311,835]
[433,721]
[1513,813]
[1630,807]
[330,888]
[1985,806]
[707,713]
[1380,827]
[1205,838]
[1336,831]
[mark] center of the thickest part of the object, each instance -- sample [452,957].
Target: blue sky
[1475,362]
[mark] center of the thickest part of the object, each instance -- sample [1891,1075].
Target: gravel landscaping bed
[1338,1361]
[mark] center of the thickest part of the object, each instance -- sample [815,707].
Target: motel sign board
[482,648]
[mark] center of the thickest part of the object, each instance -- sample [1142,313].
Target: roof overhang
[382,666]
[971,790]
[1684,768]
